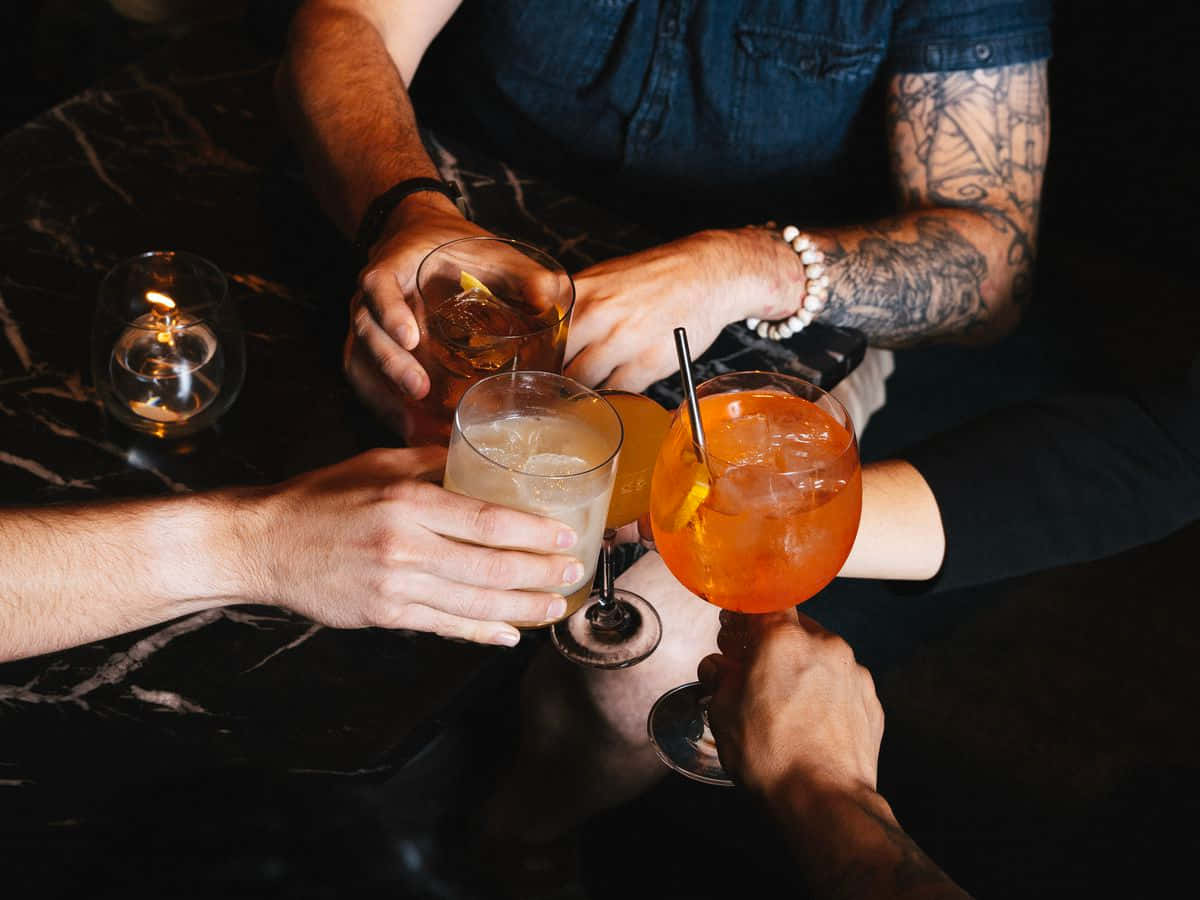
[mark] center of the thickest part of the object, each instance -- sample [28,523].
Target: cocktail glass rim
[725,464]
[539,255]
[583,390]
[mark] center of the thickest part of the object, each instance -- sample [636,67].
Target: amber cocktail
[484,305]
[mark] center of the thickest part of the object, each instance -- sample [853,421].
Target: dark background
[1079,782]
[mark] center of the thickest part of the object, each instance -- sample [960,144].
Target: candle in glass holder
[167,365]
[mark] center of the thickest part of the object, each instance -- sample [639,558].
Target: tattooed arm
[799,725]
[968,151]
[968,156]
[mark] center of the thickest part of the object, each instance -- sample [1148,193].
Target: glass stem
[606,568]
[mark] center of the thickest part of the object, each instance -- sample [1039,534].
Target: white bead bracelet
[816,289]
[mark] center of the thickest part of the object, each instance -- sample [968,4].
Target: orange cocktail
[645,425]
[772,517]
[619,628]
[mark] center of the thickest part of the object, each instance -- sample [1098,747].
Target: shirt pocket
[564,44]
[796,94]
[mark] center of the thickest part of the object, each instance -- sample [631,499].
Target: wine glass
[617,628]
[760,519]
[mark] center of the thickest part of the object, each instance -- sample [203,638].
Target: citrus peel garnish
[696,494]
[469,282]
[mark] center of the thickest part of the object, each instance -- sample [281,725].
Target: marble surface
[183,151]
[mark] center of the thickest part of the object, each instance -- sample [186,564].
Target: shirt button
[983,52]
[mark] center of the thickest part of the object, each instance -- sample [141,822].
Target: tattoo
[973,141]
[897,292]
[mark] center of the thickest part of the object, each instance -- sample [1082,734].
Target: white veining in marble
[561,243]
[90,152]
[33,467]
[198,144]
[167,700]
[12,332]
[312,629]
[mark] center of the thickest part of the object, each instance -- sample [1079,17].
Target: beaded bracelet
[816,289]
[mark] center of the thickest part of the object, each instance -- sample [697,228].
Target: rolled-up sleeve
[1067,480]
[948,35]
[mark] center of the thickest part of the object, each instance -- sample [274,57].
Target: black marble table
[184,152]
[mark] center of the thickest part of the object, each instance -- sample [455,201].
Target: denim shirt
[729,106]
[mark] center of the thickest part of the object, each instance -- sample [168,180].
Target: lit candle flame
[161,303]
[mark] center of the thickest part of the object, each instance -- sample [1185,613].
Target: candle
[166,365]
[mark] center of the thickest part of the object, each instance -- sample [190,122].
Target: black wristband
[381,207]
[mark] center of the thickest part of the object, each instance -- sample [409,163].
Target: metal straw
[689,391]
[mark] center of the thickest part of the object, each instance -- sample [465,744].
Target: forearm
[345,102]
[852,846]
[71,575]
[900,533]
[940,273]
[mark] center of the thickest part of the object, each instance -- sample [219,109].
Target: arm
[342,88]
[969,153]
[799,725]
[968,150]
[367,542]
[1065,480]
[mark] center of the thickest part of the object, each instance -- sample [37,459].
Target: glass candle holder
[168,355]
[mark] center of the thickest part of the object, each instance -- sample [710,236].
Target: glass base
[609,637]
[680,735]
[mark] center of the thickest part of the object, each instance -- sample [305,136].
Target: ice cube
[554,464]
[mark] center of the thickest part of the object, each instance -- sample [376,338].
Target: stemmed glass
[617,628]
[759,517]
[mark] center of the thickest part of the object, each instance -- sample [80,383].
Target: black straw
[689,391]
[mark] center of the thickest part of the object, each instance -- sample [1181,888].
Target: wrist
[218,556]
[775,272]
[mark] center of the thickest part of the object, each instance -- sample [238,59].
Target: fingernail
[412,382]
[506,638]
[572,573]
[556,609]
[566,538]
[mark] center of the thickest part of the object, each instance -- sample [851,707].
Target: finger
[384,299]
[632,377]
[712,670]
[593,364]
[382,397]
[391,360]
[418,617]
[734,637]
[626,534]
[646,532]
[427,462]
[586,325]
[504,569]
[467,519]
[484,604]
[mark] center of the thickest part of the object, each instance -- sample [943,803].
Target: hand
[789,701]
[371,542]
[383,330]
[626,308]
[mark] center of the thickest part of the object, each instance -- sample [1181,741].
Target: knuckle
[391,366]
[386,614]
[498,570]
[486,522]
